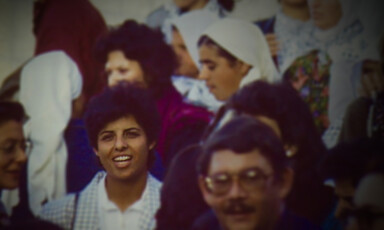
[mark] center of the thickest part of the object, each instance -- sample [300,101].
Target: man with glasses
[244,176]
[13,148]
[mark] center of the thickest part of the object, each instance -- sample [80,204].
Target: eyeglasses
[250,180]
[10,148]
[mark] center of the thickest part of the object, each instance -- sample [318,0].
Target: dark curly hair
[283,104]
[120,101]
[241,135]
[10,110]
[140,43]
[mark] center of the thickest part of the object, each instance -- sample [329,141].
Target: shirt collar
[108,205]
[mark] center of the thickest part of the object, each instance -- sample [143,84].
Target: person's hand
[272,43]
[372,79]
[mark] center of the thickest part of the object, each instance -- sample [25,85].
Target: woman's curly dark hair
[140,43]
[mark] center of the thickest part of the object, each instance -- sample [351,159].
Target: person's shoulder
[291,221]
[206,221]
[59,211]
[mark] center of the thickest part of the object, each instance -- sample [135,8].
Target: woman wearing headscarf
[234,53]
[162,17]
[324,76]
[186,31]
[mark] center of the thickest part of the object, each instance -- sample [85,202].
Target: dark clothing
[288,221]
[182,124]
[181,198]
[364,118]
[267,25]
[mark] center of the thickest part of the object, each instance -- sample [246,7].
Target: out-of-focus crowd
[199,118]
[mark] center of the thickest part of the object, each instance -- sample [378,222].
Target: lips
[122,161]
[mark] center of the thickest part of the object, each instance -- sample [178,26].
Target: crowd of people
[197,119]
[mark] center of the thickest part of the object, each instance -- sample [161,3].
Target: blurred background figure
[54,87]
[186,30]
[323,76]
[135,53]
[13,152]
[359,158]
[369,203]
[232,54]
[161,18]
[282,31]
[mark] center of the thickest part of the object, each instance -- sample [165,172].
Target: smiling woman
[122,125]
[12,149]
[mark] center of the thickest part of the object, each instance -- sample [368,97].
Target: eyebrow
[129,129]
[207,61]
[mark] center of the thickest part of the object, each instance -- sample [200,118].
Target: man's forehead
[229,161]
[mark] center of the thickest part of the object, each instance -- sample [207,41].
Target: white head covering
[191,25]
[348,39]
[247,43]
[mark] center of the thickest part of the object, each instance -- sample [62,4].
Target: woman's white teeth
[122,158]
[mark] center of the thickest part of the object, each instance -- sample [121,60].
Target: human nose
[121,143]
[203,74]
[21,156]
[236,190]
[113,78]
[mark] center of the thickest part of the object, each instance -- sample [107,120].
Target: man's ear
[203,188]
[286,183]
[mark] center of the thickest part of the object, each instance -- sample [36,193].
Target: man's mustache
[238,207]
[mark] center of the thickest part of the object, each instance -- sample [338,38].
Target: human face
[12,154]
[119,68]
[240,208]
[369,201]
[221,77]
[344,190]
[325,13]
[186,65]
[123,149]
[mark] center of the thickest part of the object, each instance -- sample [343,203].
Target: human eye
[211,67]
[106,137]
[9,147]
[253,175]
[123,70]
[221,179]
[132,133]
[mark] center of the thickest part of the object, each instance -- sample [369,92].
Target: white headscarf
[191,25]
[347,40]
[247,43]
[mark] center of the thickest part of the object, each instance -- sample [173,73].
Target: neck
[124,193]
[299,12]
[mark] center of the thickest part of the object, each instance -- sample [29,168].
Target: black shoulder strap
[75,210]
